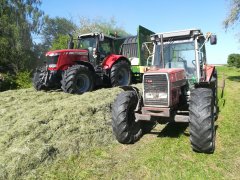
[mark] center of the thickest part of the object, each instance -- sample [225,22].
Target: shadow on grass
[173,130]
[234,78]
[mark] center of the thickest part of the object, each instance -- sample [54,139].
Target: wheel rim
[134,127]
[83,83]
[123,77]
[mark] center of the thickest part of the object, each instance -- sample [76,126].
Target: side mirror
[101,37]
[213,39]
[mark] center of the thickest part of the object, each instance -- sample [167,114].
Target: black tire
[201,117]
[120,74]
[215,94]
[38,79]
[77,79]
[126,130]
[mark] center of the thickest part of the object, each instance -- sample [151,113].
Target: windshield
[177,55]
[87,42]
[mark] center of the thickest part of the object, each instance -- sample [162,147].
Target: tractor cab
[98,45]
[182,49]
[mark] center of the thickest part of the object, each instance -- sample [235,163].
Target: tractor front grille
[156,90]
[52,60]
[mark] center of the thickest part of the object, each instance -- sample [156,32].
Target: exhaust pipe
[70,43]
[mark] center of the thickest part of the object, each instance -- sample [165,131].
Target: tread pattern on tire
[126,130]
[215,94]
[69,79]
[114,73]
[37,79]
[202,130]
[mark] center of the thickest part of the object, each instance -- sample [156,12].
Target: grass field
[55,135]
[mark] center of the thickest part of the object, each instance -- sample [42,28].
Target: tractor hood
[156,69]
[174,74]
[67,51]
[62,59]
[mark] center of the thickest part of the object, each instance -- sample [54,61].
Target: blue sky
[158,16]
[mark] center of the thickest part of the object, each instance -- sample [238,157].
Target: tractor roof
[177,35]
[131,40]
[94,34]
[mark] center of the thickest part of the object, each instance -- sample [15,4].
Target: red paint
[175,93]
[68,57]
[110,60]
[209,69]
[174,74]
[66,51]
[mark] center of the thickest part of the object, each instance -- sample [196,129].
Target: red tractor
[178,87]
[94,62]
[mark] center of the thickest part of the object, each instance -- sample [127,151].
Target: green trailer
[138,49]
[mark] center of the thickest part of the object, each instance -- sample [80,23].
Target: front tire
[126,130]
[201,117]
[77,79]
[38,79]
[214,80]
[120,74]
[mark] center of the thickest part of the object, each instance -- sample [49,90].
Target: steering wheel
[180,59]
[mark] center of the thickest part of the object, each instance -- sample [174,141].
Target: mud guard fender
[140,101]
[209,72]
[112,59]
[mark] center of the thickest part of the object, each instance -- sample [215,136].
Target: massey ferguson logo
[148,81]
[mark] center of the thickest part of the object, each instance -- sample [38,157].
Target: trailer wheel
[38,79]
[126,130]
[77,79]
[120,74]
[201,117]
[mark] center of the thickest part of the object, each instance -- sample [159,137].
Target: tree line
[21,21]
[27,33]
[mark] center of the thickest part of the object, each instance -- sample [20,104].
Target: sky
[158,16]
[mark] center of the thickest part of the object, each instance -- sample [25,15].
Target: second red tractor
[94,62]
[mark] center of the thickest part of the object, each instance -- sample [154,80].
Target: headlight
[156,95]
[52,65]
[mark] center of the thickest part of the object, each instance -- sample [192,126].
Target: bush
[23,80]
[7,82]
[10,81]
[234,60]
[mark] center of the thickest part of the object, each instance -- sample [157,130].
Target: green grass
[60,136]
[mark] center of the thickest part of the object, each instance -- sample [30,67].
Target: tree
[234,14]
[54,28]
[234,60]
[18,20]
[100,25]
[87,26]
[60,42]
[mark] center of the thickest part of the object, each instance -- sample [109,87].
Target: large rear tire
[38,79]
[126,130]
[120,74]
[215,93]
[202,129]
[77,79]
